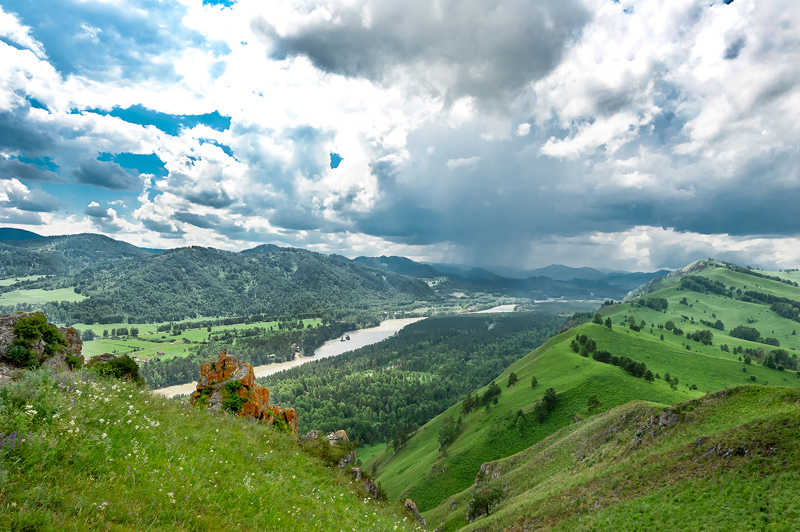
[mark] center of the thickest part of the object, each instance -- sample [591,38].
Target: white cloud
[462,162]
[523,129]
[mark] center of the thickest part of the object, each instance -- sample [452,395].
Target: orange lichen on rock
[226,383]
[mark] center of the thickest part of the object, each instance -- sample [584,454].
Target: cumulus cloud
[511,133]
[105,174]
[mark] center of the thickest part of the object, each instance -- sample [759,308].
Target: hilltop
[80,452]
[680,341]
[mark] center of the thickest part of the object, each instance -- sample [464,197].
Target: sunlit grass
[79,453]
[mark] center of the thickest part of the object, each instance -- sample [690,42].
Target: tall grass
[79,452]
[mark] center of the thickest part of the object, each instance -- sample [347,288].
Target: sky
[632,135]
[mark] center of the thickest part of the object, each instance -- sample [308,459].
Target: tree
[87,335]
[483,498]
[512,379]
[593,402]
[649,377]
[597,319]
[669,325]
[608,323]
[534,382]
[550,399]
[447,432]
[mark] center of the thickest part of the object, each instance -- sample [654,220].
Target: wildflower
[104,435]
[101,420]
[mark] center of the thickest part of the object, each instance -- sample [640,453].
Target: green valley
[627,353]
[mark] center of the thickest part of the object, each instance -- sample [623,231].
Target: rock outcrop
[412,508]
[58,359]
[226,383]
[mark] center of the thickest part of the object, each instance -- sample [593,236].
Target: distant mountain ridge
[9,233]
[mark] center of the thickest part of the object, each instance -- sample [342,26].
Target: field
[145,345]
[38,296]
[14,280]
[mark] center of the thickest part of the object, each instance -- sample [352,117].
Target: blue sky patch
[143,163]
[223,3]
[336,159]
[45,163]
[169,124]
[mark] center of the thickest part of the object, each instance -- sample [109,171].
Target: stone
[58,360]
[228,378]
[356,473]
[372,488]
[412,508]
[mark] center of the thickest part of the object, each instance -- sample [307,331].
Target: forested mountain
[9,233]
[62,255]
[194,281]
[400,265]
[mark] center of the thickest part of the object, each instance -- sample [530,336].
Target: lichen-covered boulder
[226,383]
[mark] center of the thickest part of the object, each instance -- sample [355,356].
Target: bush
[23,357]
[122,367]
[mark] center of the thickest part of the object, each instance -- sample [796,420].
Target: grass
[90,453]
[14,280]
[38,296]
[145,347]
[720,463]
[429,475]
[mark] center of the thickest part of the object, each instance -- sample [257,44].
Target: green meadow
[38,296]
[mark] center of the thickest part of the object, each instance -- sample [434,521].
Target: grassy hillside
[80,453]
[430,474]
[720,462]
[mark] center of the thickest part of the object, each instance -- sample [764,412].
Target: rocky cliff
[227,383]
[39,339]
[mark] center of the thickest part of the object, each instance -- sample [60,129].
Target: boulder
[372,488]
[226,383]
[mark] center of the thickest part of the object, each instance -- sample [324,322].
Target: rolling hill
[607,362]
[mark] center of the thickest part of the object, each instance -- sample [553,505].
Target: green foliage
[483,498]
[231,401]
[92,453]
[512,379]
[28,331]
[73,361]
[447,432]
[122,367]
[598,320]
[408,378]
[593,403]
[746,333]
[607,324]
[534,381]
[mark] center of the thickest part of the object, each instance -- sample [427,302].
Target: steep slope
[714,463]
[588,361]
[78,452]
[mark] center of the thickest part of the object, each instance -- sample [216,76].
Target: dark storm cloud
[495,47]
[94,38]
[219,199]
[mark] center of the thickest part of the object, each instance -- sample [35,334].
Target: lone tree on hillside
[608,323]
[597,319]
[534,382]
[483,498]
[593,402]
[512,380]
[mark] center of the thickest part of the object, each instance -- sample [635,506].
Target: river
[331,348]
